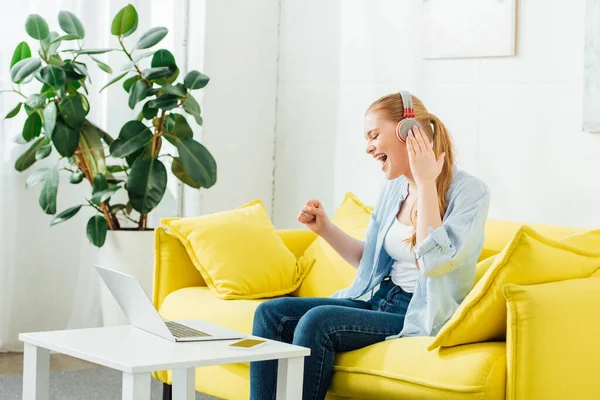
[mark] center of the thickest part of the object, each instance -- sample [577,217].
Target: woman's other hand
[314,217]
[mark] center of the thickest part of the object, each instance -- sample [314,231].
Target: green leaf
[96,230]
[144,152]
[76,177]
[133,136]
[36,27]
[24,68]
[198,162]
[116,168]
[49,192]
[49,119]
[35,101]
[116,79]
[100,183]
[21,52]
[48,91]
[177,90]
[169,79]
[92,51]
[169,123]
[74,109]
[128,83]
[192,107]
[182,175]
[56,60]
[53,76]
[146,184]
[115,208]
[104,67]
[92,149]
[104,195]
[156,73]
[74,71]
[181,130]
[138,92]
[152,37]
[33,127]
[149,112]
[164,102]
[51,43]
[71,24]
[36,177]
[13,113]
[135,58]
[162,58]
[195,80]
[65,139]
[65,215]
[43,152]
[125,22]
[27,159]
[65,38]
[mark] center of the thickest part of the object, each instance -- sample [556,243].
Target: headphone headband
[406,124]
[409,111]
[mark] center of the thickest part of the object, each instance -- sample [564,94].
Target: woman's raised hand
[314,217]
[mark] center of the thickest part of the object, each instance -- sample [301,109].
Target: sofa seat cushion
[404,369]
[394,369]
[200,303]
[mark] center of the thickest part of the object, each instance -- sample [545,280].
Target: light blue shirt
[447,257]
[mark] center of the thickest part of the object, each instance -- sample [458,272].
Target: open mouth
[382,159]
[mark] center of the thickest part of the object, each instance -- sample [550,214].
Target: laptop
[140,311]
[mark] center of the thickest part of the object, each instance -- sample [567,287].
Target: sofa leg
[167,392]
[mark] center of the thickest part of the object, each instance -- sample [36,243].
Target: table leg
[184,384]
[136,386]
[290,372]
[36,372]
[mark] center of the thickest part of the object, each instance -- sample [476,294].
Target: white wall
[516,121]
[240,57]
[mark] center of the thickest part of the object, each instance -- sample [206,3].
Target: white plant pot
[130,252]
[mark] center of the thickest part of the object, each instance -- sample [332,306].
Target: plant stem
[93,205]
[135,65]
[86,171]
[157,135]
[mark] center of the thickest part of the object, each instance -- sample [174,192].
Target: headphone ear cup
[404,127]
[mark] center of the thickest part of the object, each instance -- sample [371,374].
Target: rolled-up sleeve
[462,227]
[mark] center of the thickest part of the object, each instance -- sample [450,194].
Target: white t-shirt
[404,270]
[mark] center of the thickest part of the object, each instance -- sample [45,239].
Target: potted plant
[127,166]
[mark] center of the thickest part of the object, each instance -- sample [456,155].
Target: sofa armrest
[297,240]
[173,268]
[553,340]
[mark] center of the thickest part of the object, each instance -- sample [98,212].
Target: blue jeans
[326,326]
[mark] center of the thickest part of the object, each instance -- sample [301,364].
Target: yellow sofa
[396,369]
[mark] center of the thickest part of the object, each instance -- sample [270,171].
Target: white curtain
[47,279]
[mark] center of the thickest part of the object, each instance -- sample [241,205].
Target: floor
[12,363]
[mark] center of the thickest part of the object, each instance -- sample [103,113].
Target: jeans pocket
[398,301]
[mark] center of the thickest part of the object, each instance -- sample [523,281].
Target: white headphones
[407,123]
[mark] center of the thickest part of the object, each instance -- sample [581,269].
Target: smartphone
[248,344]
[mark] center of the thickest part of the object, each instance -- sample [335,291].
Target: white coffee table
[137,353]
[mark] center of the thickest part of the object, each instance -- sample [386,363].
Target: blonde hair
[392,108]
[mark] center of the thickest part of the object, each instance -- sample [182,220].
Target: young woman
[420,250]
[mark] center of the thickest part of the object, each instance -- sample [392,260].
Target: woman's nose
[370,148]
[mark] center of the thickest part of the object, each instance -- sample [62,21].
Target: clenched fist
[314,217]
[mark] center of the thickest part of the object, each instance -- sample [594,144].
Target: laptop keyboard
[182,331]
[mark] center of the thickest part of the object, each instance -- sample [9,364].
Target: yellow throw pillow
[330,272]
[529,258]
[239,253]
